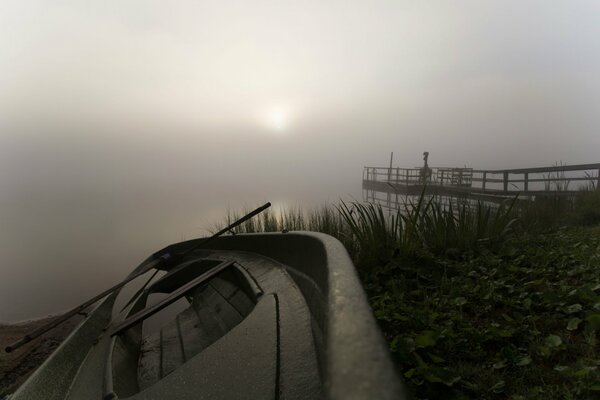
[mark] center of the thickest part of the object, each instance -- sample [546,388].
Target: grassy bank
[477,303]
[519,322]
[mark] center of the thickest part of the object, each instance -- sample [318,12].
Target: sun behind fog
[277,118]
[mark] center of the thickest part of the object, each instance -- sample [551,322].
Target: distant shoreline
[35,319]
[28,320]
[15,367]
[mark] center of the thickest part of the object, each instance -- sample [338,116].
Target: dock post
[526,179]
[390,169]
[389,181]
[483,180]
[505,181]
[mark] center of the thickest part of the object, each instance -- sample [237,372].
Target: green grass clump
[423,229]
[465,227]
[554,210]
[377,238]
[324,219]
[587,207]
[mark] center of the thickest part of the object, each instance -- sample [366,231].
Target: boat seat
[215,309]
[216,373]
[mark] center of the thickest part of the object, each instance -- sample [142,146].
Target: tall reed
[374,238]
[464,227]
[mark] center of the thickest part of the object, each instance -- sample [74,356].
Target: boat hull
[311,334]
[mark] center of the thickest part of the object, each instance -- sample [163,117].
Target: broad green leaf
[593,321]
[498,387]
[595,387]
[420,363]
[536,390]
[400,317]
[500,364]
[410,373]
[545,351]
[402,347]
[573,308]
[561,368]
[582,373]
[460,301]
[441,375]
[505,333]
[435,358]
[426,339]
[553,341]
[525,360]
[470,385]
[573,324]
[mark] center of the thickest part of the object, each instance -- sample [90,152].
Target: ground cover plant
[520,322]
[476,302]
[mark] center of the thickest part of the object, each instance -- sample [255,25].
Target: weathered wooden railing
[558,179]
[416,176]
[532,181]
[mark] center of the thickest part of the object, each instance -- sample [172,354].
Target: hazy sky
[124,125]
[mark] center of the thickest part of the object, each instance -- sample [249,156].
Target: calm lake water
[77,216]
[55,256]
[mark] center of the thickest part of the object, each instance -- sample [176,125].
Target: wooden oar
[151,264]
[202,243]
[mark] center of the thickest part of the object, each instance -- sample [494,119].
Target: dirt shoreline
[16,366]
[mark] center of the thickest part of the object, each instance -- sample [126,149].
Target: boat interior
[208,306]
[208,312]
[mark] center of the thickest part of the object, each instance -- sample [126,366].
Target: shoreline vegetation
[477,302]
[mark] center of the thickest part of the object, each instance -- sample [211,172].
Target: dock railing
[557,179]
[417,176]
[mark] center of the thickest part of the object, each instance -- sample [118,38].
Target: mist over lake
[124,128]
[79,212]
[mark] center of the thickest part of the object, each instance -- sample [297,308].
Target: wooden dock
[389,186]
